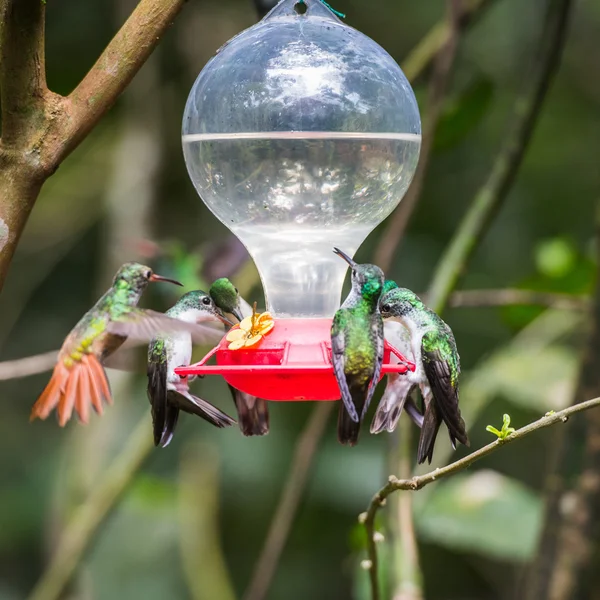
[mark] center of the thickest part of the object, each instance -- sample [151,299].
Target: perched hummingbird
[79,379]
[253,412]
[168,392]
[437,367]
[399,387]
[357,347]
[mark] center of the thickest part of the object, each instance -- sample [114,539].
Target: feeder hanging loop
[337,13]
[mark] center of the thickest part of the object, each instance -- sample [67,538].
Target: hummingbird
[357,347]
[79,378]
[399,387]
[437,367]
[168,392]
[253,412]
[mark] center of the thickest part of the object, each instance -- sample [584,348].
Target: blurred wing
[445,395]
[338,346]
[126,358]
[377,335]
[142,325]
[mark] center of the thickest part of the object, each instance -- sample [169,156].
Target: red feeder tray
[292,362]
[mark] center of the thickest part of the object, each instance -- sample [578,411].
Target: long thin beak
[345,257]
[225,320]
[237,314]
[155,277]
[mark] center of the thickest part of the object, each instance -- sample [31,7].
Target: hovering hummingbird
[168,392]
[357,347]
[253,412]
[437,367]
[79,379]
[399,387]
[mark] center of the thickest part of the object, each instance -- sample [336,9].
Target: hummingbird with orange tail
[79,380]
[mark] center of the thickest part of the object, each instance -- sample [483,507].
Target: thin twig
[514,297]
[491,195]
[23,367]
[304,453]
[416,483]
[438,87]
[86,520]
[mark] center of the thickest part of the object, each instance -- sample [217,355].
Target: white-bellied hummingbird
[437,366]
[357,347]
[399,386]
[168,392]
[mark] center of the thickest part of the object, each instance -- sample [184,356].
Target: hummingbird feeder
[301,134]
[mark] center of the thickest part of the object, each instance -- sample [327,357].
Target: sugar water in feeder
[301,134]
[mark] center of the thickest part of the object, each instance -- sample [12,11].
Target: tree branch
[23,367]
[304,453]
[416,483]
[491,195]
[515,297]
[22,69]
[41,128]
[115,68]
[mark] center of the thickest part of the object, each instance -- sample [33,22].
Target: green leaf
[463,113]
[484,512]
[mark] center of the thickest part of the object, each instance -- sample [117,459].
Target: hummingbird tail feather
[412,410]
[67,399]
[391,405]
[253,413]
[171,418]
[429,431]
[348,428]
[73,389]
[83,398]
[203,409]
[97,372]
[95,393]
[51,395]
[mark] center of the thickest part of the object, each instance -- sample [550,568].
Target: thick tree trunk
[19,189]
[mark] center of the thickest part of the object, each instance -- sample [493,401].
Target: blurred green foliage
[474,530]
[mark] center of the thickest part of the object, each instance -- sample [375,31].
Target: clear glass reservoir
[301,134]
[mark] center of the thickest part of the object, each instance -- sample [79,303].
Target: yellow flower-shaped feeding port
[251,330]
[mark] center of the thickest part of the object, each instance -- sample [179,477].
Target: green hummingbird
[399,387]
[168,392]
[357,347]
[78,379]
[253,412]
[437,366]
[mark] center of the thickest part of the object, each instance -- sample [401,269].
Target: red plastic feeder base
[292,362]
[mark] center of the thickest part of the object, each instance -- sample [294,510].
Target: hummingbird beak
[345,257]
[237,313]
[225,320]
[155,277]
